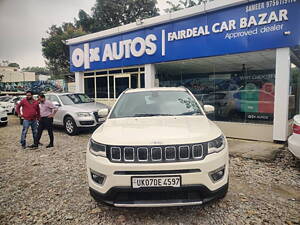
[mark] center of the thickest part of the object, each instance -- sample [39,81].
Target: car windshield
[155,103]
[71,99]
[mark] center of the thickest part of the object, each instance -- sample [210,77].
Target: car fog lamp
[218,174]
[97,177]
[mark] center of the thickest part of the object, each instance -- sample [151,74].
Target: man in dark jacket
[31,113]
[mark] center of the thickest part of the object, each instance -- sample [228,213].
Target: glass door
[122,82]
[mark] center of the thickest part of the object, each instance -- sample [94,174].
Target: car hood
[5,104]
[156,131]
[86,107]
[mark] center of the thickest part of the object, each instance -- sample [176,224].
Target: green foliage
[54,49]
[182,4]
[37,70]
[14,65]
[106,14]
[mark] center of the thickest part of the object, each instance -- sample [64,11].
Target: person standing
[31,113]
[47,112]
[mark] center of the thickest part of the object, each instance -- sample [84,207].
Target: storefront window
[122,83]
[111,87]
[89,87]
[142,80]
[240,87]
[134,81]
[102,87]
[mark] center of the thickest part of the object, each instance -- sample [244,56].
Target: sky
[23,23]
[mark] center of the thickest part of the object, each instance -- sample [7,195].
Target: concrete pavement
[257,150]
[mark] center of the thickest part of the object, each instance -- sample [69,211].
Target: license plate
[144,182]
[101,120]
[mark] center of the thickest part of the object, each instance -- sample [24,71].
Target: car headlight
[83,114]
[97,149]
[216,145]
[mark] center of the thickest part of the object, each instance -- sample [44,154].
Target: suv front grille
[157,154]
[96,115]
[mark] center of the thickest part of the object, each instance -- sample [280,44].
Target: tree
[37,70]
[14,65]
[107,14]
[85,21]
[183,4]
[54,49]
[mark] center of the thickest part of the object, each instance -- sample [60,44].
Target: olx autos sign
[250,27]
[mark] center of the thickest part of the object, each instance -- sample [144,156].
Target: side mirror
[103,112]
[56,104]
[208,109]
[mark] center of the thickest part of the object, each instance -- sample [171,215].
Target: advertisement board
[249,27]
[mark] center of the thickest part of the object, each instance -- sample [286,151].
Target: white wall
[281,104]
[149,75]
[79,82]
[10,75]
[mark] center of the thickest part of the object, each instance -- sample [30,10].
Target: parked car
[294,139]
[157,148]
[3,117]
[75,111]
[7,103]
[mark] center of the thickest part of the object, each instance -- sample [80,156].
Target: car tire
[70,126]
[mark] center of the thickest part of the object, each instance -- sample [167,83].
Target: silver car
[75,111]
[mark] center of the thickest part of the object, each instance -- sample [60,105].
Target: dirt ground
[50,187]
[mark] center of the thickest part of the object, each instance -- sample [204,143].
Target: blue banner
[249,27]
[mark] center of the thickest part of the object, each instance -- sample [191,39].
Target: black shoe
[41,144]
[34,146]
[50,146]
[24,146]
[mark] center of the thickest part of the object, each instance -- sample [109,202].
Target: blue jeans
[26,125]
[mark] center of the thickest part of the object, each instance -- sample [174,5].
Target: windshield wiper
[144,115]
[148,115]
[189,113]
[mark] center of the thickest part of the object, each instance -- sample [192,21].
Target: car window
[71,99]
[156,103]
[54,98]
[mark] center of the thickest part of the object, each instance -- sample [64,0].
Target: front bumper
[197,186]
[88,121]
[159,197]
[3,119]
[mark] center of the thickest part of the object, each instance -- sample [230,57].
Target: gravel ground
[50,187]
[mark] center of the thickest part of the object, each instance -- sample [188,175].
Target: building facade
[243,57]
[13,74]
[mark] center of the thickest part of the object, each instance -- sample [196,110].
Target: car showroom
[242,57]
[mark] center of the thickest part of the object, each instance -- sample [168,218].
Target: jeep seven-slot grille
[157,154]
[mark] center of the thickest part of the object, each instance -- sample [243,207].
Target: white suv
[157,148]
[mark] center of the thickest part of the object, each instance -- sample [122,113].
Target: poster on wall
[34,86]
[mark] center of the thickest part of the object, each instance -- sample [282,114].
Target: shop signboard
[254,26]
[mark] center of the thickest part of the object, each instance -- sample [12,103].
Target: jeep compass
[157,148]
